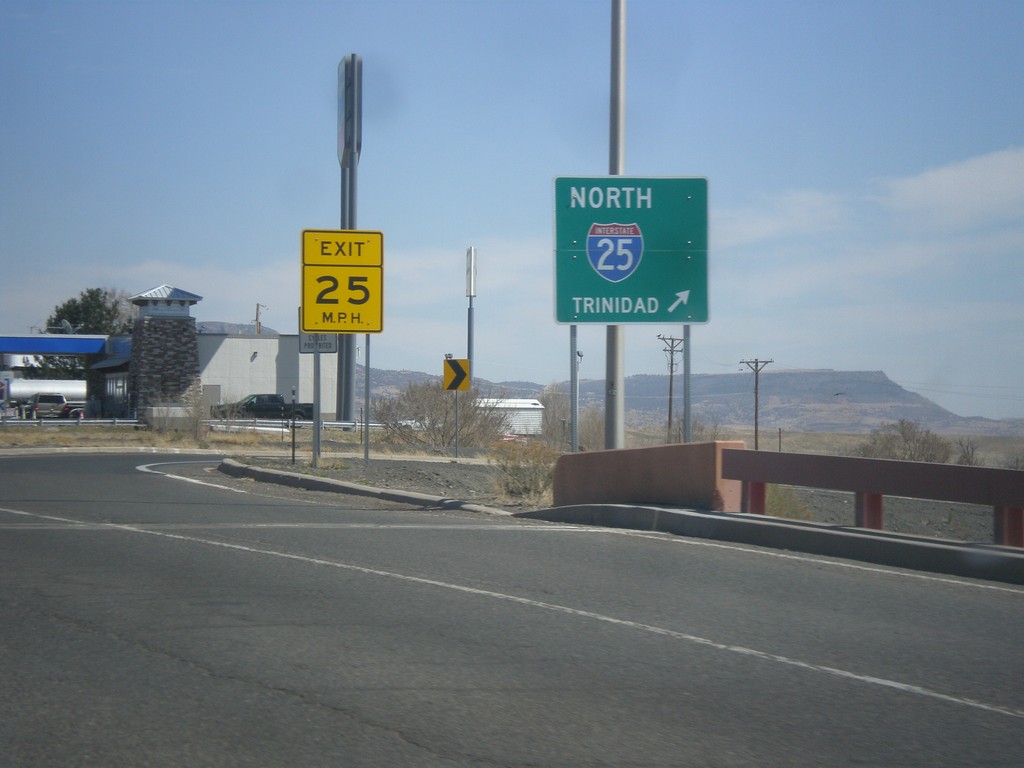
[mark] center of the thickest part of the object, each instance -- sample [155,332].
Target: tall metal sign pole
[687,415]
[470,294]
[350,139]
[628,249]
[614,402]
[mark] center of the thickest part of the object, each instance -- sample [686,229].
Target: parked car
[46,405]
[72,410]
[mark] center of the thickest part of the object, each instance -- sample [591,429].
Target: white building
[232,366]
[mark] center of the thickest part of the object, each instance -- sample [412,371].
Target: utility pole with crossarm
[672,345]
[756,365]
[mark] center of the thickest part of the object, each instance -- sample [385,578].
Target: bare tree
[556,424]
[968,453]
[906,441]
[591,429]
[700,431]
[423,418]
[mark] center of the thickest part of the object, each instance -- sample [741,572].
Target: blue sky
[865,164]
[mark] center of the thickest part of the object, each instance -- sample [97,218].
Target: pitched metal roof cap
[164,293]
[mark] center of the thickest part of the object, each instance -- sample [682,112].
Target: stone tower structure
[164,367]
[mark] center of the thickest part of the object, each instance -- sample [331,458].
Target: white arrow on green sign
[631,249]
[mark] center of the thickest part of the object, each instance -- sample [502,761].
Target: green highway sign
[631,249]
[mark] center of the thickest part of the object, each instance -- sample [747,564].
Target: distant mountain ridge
[797,400]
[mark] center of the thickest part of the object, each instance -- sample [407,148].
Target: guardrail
[225,425]
[58,422]
[871,480]
[275,425]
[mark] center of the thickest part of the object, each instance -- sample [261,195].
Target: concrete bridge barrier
[684,475]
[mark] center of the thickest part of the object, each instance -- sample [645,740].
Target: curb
[976,561]
[311,483]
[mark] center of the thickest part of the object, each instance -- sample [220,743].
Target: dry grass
[47,436]
[784,501]
[526,471]
[71,436]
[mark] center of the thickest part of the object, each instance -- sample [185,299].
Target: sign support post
[317,416]
[350,139]
[615,398]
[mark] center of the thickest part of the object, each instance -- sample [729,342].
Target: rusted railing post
[754,498]
[1008,526]
[868,510]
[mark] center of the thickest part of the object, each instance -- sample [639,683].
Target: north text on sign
[610,197]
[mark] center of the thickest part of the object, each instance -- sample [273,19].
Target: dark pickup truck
[263,406]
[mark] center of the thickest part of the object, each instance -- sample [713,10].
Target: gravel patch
[917,517]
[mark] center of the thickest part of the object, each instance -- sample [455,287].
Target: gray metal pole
[456,424]
[574,390]
[315,461]
[687,424]
[469,336]
[350,118]
[366,403]
[470,293]
[615,399]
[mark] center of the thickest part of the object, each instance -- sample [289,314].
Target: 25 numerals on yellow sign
[341,299]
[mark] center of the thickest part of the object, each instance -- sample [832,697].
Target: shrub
[906,441]
[527,468]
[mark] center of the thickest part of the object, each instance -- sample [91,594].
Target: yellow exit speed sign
[342,281]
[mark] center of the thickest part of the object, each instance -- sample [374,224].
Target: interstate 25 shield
[615,250]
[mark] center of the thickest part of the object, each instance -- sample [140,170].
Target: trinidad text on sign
[590,305]
[610,197]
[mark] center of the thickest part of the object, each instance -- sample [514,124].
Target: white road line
[815,560]
[907,688]
[476,528]
[149,469]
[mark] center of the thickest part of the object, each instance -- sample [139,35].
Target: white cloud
[979,191]
[788,214]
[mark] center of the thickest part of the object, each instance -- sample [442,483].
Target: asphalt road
[150,621]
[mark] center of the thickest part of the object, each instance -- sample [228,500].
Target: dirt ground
[917,517]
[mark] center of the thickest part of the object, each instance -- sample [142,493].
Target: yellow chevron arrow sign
[456,375]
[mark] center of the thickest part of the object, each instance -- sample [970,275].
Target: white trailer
[522,416]
[17,391]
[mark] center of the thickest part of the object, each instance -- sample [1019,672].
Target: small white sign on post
[324,343]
